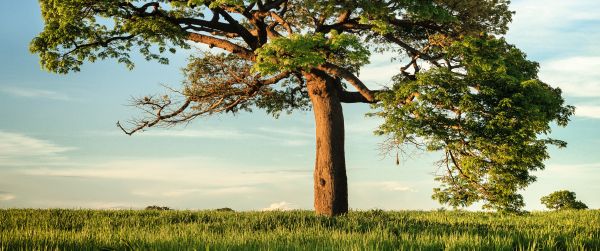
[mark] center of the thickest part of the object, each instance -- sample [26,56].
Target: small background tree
[563,199]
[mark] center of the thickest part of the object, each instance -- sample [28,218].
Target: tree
[464,91]
[562,199]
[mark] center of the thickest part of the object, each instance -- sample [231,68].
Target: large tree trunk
[331,187]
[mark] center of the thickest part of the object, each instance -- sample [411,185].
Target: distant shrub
[225,209]
[562,200]
[154,207]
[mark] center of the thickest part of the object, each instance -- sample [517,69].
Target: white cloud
[109,205]
[4,196]
[363,126]
[293,131]
[231,190]
[572,168]
[376,76]
[296,142]
[289,137]
[538,12]
[168,193]
[576,76]
[177,193]
[209,133]
[569,45]
[182,170]
[391,186]
[395,186]
[587,111]
[16,148]
[279,206]
[34,93]
[546,24]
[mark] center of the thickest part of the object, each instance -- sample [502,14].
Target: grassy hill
[63,229]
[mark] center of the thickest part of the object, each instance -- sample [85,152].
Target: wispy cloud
[18,148]
[281,171]
[576,76]
[210,133]
[196,182]
[34,93]
[4,196]
[110,205]
[295,143]
[395,186]
[207,171]
[363,126]
[279,206]
[391,186]
[587,111]
[375,76]
[289,137]
[567,49]
[573,168]
[293,131]
[183,192]
[538,12]
[234,190]
[534,26]
[174,193]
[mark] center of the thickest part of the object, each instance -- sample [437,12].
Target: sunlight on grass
[60,229]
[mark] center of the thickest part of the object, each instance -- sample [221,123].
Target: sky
[60,148]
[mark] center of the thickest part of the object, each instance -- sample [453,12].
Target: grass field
[60,229]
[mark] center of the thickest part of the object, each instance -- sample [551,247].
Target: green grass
[61,229]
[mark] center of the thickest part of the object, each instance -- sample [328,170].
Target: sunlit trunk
[331,188]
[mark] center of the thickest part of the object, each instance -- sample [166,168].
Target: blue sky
[59,146]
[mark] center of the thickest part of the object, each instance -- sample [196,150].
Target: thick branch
[344,16]
[412,23]
[223,44]
[356,97]
[344,25]
[241,30]
[208,24]
[275,79]
[282,22]
[351,78]
[232,26]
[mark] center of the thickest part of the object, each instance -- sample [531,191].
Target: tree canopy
[464,91]
[561,200]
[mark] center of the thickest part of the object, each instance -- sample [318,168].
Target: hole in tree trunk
[322,182]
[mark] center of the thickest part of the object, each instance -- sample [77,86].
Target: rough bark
[330,181]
